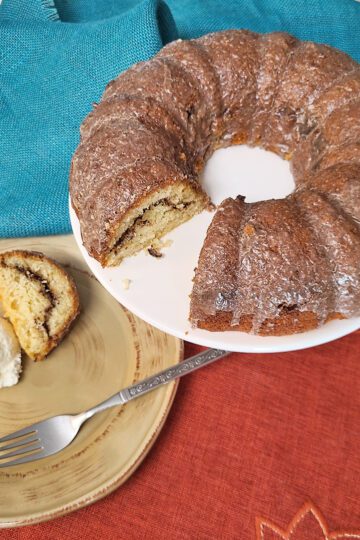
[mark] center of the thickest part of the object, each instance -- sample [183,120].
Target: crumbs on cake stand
[126,283]
[155,250]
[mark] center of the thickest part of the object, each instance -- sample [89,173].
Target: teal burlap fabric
[55,60]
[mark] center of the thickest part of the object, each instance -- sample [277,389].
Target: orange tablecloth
[256,447]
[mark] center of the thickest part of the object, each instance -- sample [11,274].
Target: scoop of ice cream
[10,355]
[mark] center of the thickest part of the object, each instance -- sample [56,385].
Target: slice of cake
[39,298]
[262,268]
[10,355]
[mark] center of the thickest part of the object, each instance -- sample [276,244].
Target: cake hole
[255,173]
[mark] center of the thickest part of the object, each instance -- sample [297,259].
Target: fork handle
[171,373]
[163,377]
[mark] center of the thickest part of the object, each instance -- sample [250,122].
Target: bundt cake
[271,267]
[39,298]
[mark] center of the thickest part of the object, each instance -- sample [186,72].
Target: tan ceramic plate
[107,349]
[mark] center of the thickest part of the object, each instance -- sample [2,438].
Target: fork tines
[24,445]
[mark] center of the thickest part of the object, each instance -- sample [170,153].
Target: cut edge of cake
[156,215]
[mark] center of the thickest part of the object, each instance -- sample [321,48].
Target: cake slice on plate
[39,298]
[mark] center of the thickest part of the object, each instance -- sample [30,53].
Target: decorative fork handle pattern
[163,377]
[171,373]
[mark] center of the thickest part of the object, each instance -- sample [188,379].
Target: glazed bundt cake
[39,298]
[271,267]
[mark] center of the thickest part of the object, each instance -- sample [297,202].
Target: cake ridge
[239,95]
[321,139]
[176,50]
[299,85]
[279,80]
[289,275]
[291,42]
[221,235]
[146,117]
[351,96]
[311,106]
[350,154]
[167,72]
[345,271]
[94,153]
[343,188]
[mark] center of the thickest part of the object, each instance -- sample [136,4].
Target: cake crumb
[126,283]
[155,249]
[155,253]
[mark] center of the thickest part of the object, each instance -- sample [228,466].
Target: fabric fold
[57,56]
[50,75]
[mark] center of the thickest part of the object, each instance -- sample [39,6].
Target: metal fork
[52,435]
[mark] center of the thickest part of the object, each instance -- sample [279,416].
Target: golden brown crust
[286,323]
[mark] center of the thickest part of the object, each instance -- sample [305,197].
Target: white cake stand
[159,288]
